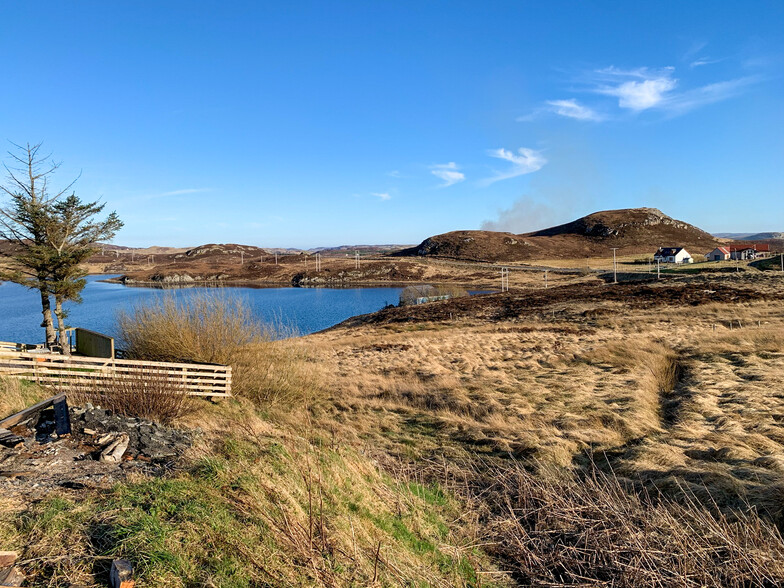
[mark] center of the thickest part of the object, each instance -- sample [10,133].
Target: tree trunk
[47,323]
[65,346]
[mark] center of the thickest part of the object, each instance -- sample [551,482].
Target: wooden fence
[63,372]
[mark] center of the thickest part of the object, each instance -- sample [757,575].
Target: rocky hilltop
[631,230]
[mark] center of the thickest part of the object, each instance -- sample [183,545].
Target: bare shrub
[151,395]
[596,531]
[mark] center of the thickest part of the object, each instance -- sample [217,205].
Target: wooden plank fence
[63,372]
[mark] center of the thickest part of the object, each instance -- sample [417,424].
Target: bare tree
[23,222]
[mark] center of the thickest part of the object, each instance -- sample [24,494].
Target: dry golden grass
[727,433]
[531,391]
[16,395]
[220,328]
[656,390]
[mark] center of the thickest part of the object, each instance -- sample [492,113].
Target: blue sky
[303,124]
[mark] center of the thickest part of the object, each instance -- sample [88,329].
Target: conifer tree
[49,236]
[23,222]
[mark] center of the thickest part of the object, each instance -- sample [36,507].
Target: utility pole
[545,279]
[658,269]
[276,258]
[504,279]
[318,262]
[242,257]
[615,267]
[356,260]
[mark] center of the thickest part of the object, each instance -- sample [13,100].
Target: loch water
[306,310]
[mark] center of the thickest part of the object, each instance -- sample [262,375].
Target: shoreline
[262,284]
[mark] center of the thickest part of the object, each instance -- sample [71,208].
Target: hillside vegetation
[632,231]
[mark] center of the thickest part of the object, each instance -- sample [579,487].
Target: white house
[672,255]
[719,254]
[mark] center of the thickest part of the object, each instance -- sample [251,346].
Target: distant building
[752,251]
[719,254]
[672,255]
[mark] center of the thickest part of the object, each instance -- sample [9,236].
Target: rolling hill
[631,230]
[767,236]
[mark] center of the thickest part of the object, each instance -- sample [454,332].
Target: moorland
[587,433]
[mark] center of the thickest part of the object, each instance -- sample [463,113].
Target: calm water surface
[306,309]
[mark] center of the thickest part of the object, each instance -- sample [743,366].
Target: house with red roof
[719,254]
[751,251]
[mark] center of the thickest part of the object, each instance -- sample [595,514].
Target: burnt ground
[514,304]
[45,461]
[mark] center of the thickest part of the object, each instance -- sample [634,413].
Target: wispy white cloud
[573,109]
[525,161]
[636,89]
[695,58]
[156,195]
[448,172]
[699,62]
[182,192]
[394,174]
[381,195]
[570,108]
[694,49]
[691,99]
[643,89]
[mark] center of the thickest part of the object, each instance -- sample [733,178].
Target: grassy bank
[255,506]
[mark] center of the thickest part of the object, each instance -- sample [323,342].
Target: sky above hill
[301,124]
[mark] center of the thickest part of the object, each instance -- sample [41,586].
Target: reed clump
[205,328]
[220,327]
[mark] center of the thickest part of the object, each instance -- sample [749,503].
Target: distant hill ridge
[751,236]
[631,230]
